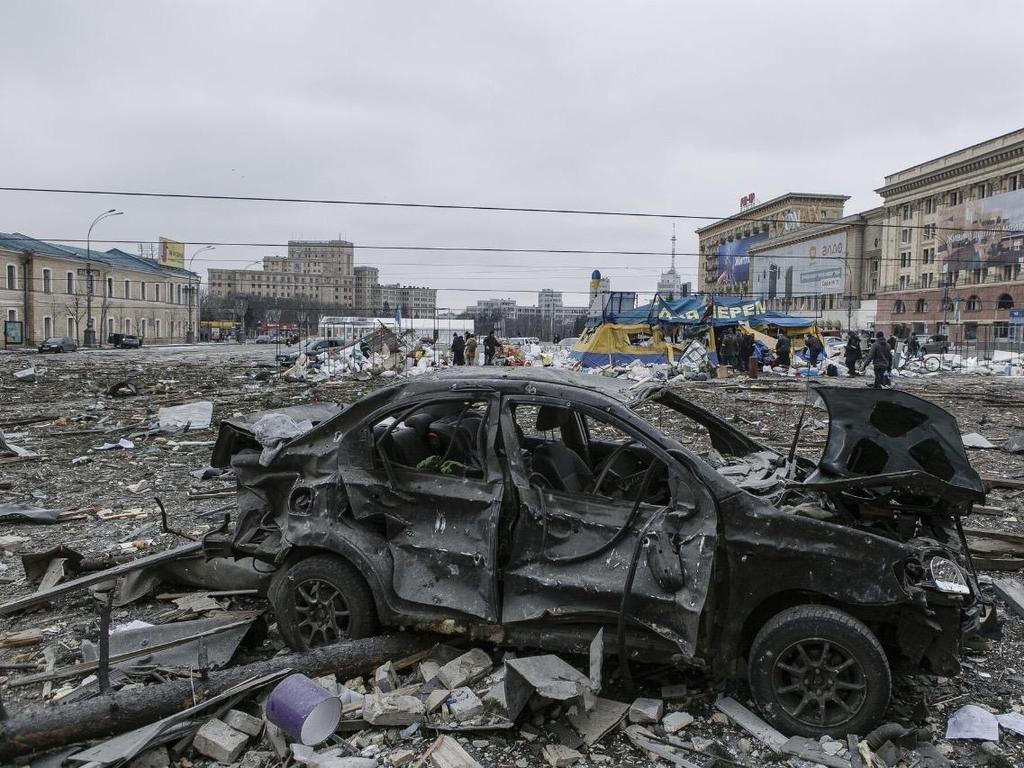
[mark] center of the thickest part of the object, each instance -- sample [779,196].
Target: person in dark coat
[490,347]
[853,352]
[815,349]
[729,350]
[458,350]
[744,350]
[782,349]
[879,358]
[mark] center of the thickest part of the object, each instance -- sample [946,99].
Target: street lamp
[190,336]
[89,337]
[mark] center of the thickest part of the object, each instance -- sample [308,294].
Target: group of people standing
[464,350]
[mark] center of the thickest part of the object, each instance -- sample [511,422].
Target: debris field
[105,458]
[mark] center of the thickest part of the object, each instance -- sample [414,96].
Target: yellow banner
[172,253]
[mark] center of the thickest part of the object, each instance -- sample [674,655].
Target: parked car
[263,339]
[534,507]
[124,340]
[934,345]
[59,344]
[311,348]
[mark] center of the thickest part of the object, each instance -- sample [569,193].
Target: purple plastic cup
[303,710]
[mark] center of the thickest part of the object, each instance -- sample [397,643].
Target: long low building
[56,290]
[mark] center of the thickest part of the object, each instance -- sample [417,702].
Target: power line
[452,207]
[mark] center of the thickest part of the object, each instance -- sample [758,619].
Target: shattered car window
[446,437]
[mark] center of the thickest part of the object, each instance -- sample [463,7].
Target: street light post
[89,337]
[190,336]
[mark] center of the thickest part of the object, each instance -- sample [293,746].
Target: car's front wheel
[321,600]
[815,670]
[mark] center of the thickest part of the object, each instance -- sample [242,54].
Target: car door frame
[699,530]
[449,560]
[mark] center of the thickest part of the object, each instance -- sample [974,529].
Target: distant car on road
[59,344]
[264,339]
[933,345]
[124,340]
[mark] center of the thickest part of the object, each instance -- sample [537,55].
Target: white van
[522,341]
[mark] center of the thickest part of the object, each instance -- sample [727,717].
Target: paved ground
[64,415]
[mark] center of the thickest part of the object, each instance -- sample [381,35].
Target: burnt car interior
[446,437]
[565,450]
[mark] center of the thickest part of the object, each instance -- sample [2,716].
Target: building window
[929,205]
[928,233]
[904,282]
[127,289]
[904,259]
[899,307]
[142,290]
[905,235]
[179,293]
[110,325]
[954,197]
[1001,330]
[983,190]
[906,212]
[1008,272]
[71,328]
[47,327]
[156,292]
[70,283]
[973,304]
[921,306]
[12,277]
[127,325]
[156,328]
[1005,301]
[142,327]
[110,287]
[47,285]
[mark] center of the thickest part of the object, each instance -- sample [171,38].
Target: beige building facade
[724,265]
[56,290]
[953,244]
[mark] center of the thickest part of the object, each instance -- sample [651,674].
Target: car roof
[623,390]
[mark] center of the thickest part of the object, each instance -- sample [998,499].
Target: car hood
[878,436]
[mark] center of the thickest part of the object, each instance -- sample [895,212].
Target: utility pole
[89,337]
[190,336]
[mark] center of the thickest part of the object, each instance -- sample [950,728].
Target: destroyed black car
[534,507]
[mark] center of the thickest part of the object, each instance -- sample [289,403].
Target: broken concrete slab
[548,675]
[676,721]
[392,709]
[975,440]
[10,544]
[560,756]
[645,711]
[599,721]
[219,741]
[384,678]
[446,752]
[464,704]
[244,722]
[465,669]
[1012,591]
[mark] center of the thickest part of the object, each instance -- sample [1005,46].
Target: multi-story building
[323,272]
[549,301]
[724,263]
[60,290]
[953,242]
[821,270]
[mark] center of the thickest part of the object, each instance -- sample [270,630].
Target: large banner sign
[981,233]
[733,261]
[809,268]
[172,253]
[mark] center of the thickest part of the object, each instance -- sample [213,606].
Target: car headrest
[550,417]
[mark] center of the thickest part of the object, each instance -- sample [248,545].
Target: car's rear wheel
[321,600]
[815,670]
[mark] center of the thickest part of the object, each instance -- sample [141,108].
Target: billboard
[172,253]
[1001,219]
[733,261]
[811,267]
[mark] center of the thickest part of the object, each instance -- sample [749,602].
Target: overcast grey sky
[677,107]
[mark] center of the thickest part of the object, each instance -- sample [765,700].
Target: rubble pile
[105,462]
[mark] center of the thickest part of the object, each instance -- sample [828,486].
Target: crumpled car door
[550,573]
[441,529]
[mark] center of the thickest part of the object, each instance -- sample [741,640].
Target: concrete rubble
[461,704]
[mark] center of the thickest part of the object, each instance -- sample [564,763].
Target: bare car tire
[816,671]
[321,600]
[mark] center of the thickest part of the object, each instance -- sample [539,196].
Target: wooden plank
[1010,538]
[1012,591]
[991,481]
[751,723]
[984,563]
